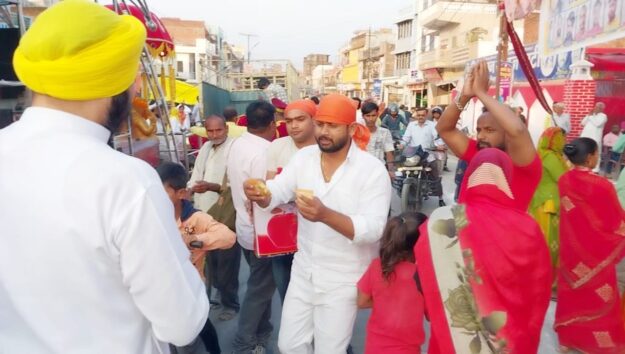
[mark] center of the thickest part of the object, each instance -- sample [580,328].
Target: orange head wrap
[339,109]
[306,106]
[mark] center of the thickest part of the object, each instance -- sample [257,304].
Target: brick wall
[579,98]
[185,32]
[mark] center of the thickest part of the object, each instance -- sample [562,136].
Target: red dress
[592,242]
[484,267]
[396,322]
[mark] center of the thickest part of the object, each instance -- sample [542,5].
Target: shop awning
[606,59]
[185,93]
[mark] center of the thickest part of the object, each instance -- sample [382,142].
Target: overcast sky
[286,29]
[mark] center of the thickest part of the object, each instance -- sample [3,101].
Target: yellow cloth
[79,50]
[234,131]
[185,93]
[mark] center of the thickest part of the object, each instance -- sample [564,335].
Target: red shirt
[396,322]
[525,179]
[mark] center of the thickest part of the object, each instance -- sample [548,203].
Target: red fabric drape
[526,66]
[592,241]
[510,258]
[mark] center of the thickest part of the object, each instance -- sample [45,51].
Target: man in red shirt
[498,127]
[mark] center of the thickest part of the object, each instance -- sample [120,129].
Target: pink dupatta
[484,267]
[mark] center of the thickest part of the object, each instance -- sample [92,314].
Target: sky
[286,29]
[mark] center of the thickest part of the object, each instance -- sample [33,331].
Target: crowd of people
[119,257]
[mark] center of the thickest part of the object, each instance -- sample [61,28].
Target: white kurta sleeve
[200,164]
[155,267]
[283,186]
[408,134]
[374,202]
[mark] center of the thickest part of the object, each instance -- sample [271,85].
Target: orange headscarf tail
[361,136]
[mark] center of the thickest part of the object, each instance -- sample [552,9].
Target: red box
[275,232]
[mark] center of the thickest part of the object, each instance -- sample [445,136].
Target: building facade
[366,60]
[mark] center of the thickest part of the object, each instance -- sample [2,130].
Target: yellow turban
[79,50]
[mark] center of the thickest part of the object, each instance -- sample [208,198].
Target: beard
[118,111]
[485,145]
[336,145]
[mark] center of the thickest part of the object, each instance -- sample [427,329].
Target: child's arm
[213,234]
[365,301]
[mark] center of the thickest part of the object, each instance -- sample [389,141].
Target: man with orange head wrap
[343,195]
[111,273]
[298,119]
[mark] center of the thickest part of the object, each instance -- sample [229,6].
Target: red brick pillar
[579,95]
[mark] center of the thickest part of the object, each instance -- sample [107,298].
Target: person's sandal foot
[227,315]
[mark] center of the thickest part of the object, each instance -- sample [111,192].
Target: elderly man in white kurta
[91,259]
[593,127]
[343,197]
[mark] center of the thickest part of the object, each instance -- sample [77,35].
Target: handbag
[223,210]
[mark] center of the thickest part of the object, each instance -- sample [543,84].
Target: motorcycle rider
[422,132]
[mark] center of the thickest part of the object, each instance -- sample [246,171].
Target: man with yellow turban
[343,195]
[91,260]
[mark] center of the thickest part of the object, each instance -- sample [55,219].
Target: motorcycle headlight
[412,161]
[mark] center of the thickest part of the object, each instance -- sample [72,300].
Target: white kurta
[210,166]
[593,128]
[247,159]
[280,153]
[321,300]
[91,260]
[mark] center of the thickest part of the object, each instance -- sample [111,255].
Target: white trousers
[326,317]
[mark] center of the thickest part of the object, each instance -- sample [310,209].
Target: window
[404,29]
[180,66]
[192,64]
[402,61]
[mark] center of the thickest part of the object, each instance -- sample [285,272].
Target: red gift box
[276,232]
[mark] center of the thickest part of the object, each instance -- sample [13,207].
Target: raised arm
[456,140]
[519,143]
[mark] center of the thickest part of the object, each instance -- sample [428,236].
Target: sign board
[505,80]
[572,24]
[551,67]
[377,88]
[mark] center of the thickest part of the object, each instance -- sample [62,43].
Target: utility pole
[249,49]
[369,59]
[502,49]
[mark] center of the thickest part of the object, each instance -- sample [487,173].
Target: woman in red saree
[484,267]
[592,242]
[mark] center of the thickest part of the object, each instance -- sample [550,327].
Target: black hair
[358,100]
[369,107]
[419,109]
[398,240]
[579,149]
[230,113]
[315,99]
[260,114]
[173,174]
[263,82]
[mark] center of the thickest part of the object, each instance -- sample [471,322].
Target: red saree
[484,267]
[592,242]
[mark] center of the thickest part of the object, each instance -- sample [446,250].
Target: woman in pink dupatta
[484,267]
[592,242]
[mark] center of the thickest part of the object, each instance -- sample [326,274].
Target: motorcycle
[413,178]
